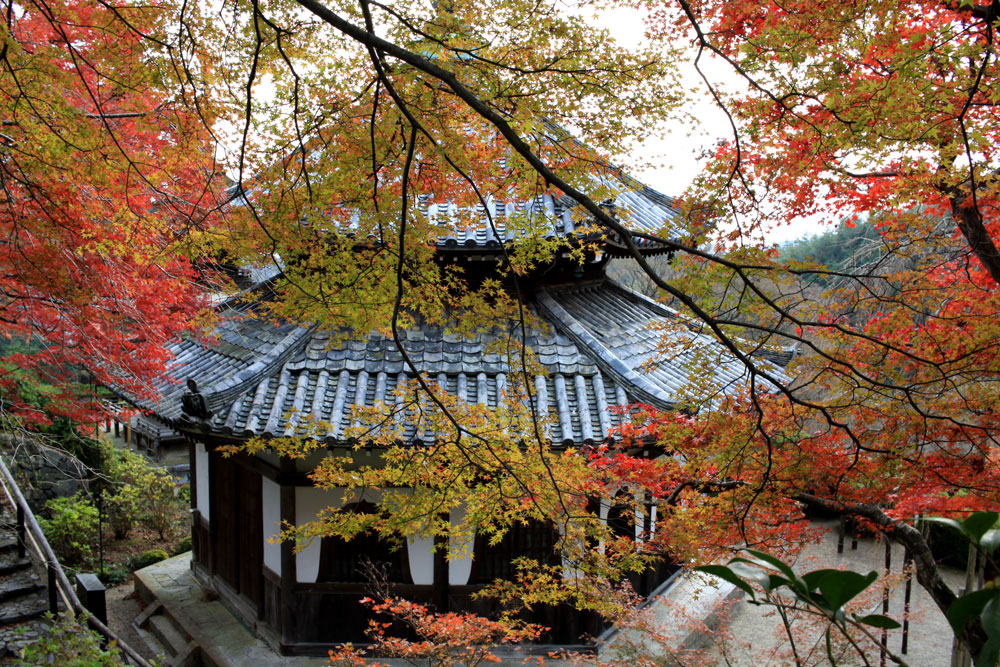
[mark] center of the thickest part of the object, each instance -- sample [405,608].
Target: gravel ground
[758,638]
[123,607]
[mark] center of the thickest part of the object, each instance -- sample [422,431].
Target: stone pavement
[222,639]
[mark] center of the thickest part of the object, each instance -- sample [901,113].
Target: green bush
[124,506]
[149,557]
[160,502]
[72,528]
[115,575]
[136,490]
[183,545]
[69,644]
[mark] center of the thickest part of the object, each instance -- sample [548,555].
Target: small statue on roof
[193,402]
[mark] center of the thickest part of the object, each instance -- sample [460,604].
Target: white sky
[678,152]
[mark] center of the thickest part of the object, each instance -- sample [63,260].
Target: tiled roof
[638,207]
[266,378]
[661,356]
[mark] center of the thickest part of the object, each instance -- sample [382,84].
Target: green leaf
[991,616]
[726,574]
[946,522]
[967,607]
[878,621]
[990,653]
[774,562]
[841,586]
[978,523]
[751,572]
[990,540]
[813,578]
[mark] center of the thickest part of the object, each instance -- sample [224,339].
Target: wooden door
[237,530]
[250,518]
[224,527]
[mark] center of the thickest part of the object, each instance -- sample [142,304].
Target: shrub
[69,644]
[123,495]
[72,528]
[149,557]
[124,505]
[137,489]
[160,502]
[183,545]
[115,575]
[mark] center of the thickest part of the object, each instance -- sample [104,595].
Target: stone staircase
[24,599]
[165,637]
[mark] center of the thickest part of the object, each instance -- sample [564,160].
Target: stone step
[15,587]
[141,626]
[152,643]
[168,634]
[16,565]
[8,545]
[165,637]
[14,638]
[24,609]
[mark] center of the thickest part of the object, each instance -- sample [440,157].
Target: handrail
[52,563]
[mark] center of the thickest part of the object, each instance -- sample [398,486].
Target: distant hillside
[843,248]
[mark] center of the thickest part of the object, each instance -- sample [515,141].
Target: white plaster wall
[309,502]
[201,479]
[459,553]
[420,553]
[270,494]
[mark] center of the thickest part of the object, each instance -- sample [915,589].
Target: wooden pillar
[289,575]
[197,549]
[193,473]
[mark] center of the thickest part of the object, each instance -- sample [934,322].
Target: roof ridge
[603,357]
[242,381]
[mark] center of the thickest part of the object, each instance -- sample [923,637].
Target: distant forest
[846,247]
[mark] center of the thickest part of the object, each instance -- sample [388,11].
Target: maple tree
[883,109]
[342,114]
[105,170]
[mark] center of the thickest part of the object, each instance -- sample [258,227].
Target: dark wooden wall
[230,548]
[236,532]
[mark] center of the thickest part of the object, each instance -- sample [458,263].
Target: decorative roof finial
[193,402]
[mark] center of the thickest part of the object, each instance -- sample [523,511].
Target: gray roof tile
[280,379]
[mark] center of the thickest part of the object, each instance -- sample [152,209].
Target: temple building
[601,346]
